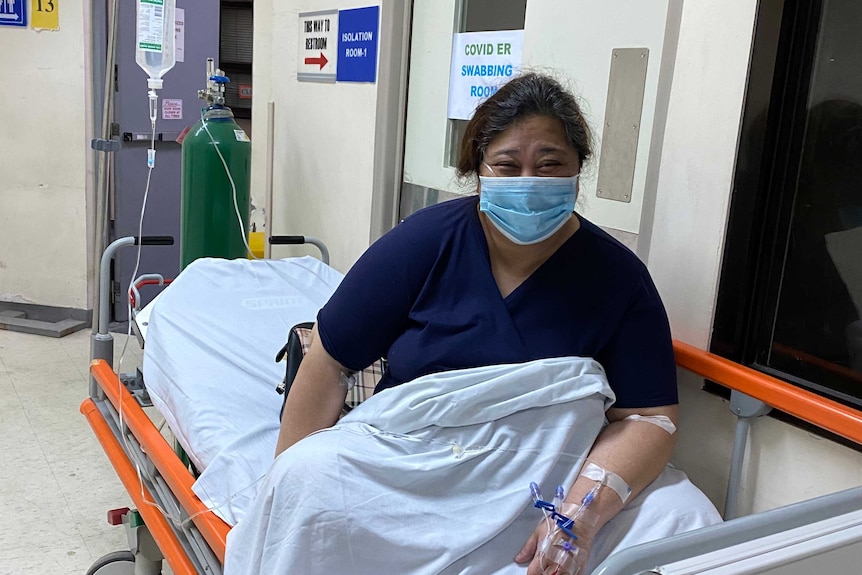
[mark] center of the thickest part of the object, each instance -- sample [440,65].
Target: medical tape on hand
[661,421]
[609,478]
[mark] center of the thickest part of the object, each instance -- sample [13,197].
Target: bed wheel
[116,563]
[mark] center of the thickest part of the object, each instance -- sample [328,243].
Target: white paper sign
[318,46]
[180,34]
[172,109]
[481,63]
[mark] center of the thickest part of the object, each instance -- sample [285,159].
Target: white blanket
[433,477]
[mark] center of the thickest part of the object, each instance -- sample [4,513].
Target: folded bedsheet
[209,364]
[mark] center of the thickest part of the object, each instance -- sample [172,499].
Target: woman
[509,276]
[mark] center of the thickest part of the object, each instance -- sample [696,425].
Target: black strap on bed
[292,352]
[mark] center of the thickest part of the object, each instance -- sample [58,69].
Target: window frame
[764,187]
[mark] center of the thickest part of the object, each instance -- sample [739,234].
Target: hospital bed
[237,315]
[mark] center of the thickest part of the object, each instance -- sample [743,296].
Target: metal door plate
[622,123]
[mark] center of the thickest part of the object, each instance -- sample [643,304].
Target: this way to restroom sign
[481,63]
[318,46]
[338,45]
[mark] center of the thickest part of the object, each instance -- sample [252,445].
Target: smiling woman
[504,279]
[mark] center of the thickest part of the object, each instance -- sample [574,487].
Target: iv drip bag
[155,39]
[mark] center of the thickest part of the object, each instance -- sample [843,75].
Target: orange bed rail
[156,523]
[807,406]
[175,474]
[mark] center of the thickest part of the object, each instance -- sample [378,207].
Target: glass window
[790,297]
[818,333]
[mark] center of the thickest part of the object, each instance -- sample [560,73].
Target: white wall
[323,139]
[44,144]
[425,142]
[784,464]
[697,165]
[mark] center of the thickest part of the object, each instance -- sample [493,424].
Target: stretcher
[176,502]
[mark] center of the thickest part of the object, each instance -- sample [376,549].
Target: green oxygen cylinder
[216,161]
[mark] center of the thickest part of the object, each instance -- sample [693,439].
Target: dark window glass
[818,333]
[489,15]
[790,296]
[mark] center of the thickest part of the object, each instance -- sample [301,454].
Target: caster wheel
[116,563]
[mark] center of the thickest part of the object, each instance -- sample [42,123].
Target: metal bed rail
[197,544]
[648,557]
[805,405]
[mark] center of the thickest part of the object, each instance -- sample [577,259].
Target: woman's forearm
[636,451]
[315,399]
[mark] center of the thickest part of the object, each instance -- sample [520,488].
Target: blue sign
[13,12]
[357,44]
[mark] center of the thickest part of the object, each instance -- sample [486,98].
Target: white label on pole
[318,46]
[151,25]
[172,109]
[180,35]
[481,63]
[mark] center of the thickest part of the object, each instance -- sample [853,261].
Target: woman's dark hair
[528,95]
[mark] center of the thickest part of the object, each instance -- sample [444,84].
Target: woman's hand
[551,558]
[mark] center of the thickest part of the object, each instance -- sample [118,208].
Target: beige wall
[44,143]
[323,139]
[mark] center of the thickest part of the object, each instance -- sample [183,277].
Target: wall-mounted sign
[318,46]
[13,13]
[44,14]
[481,63]
[244,91]
[172,109]
[357,44]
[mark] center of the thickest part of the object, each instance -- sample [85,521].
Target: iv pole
[105,146]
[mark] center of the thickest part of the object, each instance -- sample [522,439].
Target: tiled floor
[56,483]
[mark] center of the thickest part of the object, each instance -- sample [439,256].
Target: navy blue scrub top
[424,297]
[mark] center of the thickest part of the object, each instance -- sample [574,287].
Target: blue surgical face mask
[528,209]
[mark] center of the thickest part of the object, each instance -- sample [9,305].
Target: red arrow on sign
[322,61]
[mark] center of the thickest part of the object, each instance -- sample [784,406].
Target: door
[178,107]
[574,41]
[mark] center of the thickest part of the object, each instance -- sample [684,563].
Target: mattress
[209,364]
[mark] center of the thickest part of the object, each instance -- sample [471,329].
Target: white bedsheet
[433,477]
[209,364]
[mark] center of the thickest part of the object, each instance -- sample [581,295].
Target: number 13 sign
[45,14]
